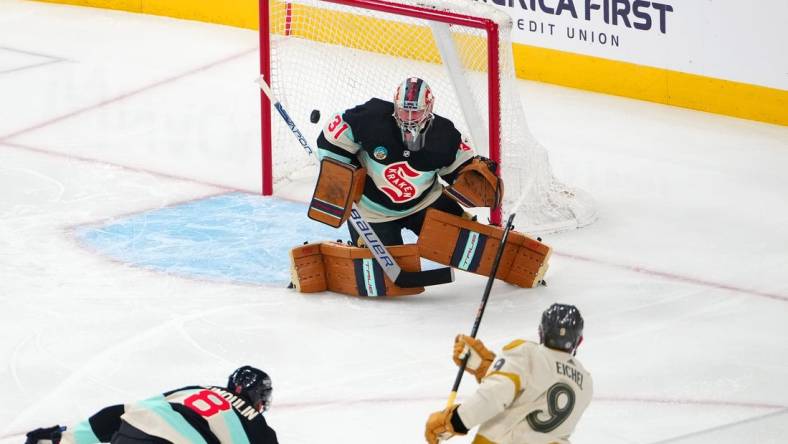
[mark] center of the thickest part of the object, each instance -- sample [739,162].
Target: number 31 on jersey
[336,126]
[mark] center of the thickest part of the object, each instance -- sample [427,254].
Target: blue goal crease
[234,237]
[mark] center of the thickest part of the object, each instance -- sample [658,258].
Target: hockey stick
[400,277]
[482,306]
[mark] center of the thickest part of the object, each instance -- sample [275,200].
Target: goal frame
[489,26]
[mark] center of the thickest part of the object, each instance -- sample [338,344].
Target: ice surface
[682,281]
[233,237]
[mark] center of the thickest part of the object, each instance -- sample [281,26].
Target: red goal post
[363,48]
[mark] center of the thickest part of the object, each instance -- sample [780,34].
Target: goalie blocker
[471,246]
[338,186]
[350,270]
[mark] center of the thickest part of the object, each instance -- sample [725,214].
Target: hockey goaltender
[394,160]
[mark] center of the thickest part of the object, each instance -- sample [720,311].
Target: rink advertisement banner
[240,13]
[720,56]
[723,39]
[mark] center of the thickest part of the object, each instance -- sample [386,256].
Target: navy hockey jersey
[399,182]
[194,414]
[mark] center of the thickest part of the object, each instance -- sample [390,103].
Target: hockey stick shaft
[404,279]
[401,278]
[285,116]
[482,307]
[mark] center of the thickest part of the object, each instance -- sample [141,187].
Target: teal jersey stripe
[378,208]
[322,154]
[160,406]
[237,432]
[83,433]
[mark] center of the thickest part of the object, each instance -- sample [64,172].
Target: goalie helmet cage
[334,54]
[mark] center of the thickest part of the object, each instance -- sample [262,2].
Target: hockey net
[331,55]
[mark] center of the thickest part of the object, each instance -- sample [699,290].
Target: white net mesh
[331,57]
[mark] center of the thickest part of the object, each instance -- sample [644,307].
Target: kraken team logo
[397,175]
[380,153]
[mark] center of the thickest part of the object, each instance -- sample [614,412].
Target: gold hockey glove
[480,357]
[439,426]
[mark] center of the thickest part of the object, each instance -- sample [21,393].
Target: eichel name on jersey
[191,414]
[399,182]
[531,394]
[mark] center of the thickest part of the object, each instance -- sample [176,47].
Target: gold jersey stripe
[514,344]
[514,377]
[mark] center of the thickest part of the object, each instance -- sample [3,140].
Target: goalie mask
[413,111]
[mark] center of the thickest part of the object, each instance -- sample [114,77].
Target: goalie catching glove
[479,357]
[477,184]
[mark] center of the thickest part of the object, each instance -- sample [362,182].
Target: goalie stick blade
[426,278]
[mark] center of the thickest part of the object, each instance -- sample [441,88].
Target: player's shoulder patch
[514,344]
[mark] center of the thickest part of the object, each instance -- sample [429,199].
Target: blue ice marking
[234,237]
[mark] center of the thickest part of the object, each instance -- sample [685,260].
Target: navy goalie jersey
[399,181]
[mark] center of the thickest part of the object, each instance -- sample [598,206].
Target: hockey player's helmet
[252,384]
[413,111]
[561,327]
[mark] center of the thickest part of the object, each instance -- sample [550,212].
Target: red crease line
[677,277]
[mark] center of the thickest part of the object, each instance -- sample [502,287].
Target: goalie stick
[400,277]
[482,306]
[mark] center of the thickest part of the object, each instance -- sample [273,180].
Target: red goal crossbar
[493,75]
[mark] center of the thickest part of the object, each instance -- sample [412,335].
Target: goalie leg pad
[350,270]
[471,246]
[307,272]
[338,186]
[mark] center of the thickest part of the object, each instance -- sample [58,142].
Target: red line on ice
[706,402]
[676,277]
[125,95]
[124,167]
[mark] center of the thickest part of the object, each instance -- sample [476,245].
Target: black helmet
[561,327]
[252,384]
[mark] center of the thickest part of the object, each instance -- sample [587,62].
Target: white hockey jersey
[531,395]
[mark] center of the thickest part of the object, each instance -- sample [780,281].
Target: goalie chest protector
[350,270]
[471,246]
